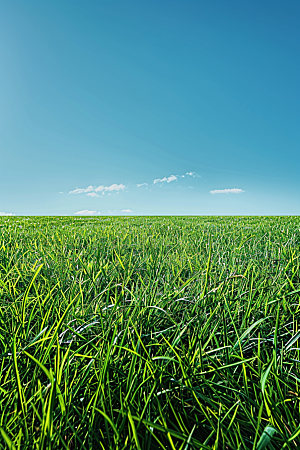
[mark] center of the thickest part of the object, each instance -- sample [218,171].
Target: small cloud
[142,184]
[80,191]
[127,210]
[91,189]
[115,187]
[85,212]
[77,191]
[92,194]
[227,191]
[6,214]
[61,192]
[112,187]
[192,174]
[167,179]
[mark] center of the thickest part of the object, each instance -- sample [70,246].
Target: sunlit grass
[149,333]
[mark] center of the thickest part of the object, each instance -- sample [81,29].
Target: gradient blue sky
[112,94]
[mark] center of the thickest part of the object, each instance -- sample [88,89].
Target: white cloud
[167,179]
[85,212]
[127,210]
[90,189]
[6,214]
[227,191]
[192,174]
[80,191]
[77,191]
[171,178]
[92,194]
[115,187]
[112,187]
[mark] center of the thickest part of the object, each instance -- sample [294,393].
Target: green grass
[149,333]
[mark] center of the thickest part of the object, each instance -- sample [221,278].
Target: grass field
[149,333]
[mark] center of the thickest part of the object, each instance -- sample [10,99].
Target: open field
[149,333]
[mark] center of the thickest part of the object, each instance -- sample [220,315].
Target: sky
[158,107]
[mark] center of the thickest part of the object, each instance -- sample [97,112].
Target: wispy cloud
[90,190]
[227,191]
[192,174]
[112,187]
[81,191]
[77,191]
[173,178]
[86,212]
[6,214]
[167,179]
[127,210]
[142,184]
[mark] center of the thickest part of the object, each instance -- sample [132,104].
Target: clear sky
[196,101]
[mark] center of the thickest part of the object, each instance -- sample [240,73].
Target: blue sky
[99,97]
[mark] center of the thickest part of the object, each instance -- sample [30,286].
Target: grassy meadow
[149,333]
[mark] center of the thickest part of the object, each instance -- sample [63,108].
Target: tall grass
[149,333]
